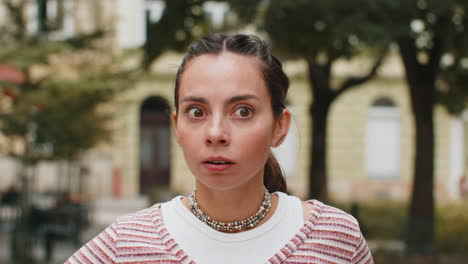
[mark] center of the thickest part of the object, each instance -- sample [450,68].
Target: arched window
[154,144]
[383,140]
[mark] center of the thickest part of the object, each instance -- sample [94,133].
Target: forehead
[226,74]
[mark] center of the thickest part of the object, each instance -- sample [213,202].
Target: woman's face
[225,123]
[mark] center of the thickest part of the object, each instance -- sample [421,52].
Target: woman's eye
[243,112]
[195,113]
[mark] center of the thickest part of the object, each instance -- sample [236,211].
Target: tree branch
[355,81]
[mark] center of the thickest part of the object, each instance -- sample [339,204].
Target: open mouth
[219,162]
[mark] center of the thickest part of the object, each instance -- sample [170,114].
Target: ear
[281,128]
[174,125]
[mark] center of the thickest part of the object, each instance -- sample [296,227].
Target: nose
[217,132]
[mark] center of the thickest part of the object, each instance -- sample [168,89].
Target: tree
[181,22]
[321,33]
[54,90]
[432,40]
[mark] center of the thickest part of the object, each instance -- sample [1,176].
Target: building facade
[371,130]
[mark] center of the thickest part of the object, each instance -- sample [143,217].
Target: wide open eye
[195,112]
[243,112]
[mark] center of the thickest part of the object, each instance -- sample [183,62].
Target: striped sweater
[329,236]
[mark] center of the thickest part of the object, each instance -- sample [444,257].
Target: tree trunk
[421,81]
[421,214]
[421,224]
[318,185]
[319,79]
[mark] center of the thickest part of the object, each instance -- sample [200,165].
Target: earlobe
[281,128]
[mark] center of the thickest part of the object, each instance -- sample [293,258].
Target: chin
[219,184]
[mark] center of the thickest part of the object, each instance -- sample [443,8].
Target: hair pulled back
[275,79]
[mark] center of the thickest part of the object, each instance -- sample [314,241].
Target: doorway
[155,149]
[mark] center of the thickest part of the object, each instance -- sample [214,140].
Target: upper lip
[217,158]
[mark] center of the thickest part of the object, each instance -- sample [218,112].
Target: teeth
[219,162]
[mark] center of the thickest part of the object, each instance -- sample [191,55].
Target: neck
[232,204]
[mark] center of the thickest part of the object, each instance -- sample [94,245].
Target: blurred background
[378,96]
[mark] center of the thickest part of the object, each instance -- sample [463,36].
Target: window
[131,23]
[56,17]
[383,140]
[457,156]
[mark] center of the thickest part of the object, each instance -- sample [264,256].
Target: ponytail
[273,176]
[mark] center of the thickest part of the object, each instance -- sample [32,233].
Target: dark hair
[275,80]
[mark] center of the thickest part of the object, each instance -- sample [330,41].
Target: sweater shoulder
[142,236]
[329,218]
[152,213]
[138,237]
[148,221]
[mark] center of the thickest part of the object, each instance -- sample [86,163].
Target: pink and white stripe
[330,236]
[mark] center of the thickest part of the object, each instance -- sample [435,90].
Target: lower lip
[217,167]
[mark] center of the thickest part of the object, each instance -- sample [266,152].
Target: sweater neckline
[298,239]
[233,237]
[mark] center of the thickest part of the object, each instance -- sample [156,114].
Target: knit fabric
[329,236]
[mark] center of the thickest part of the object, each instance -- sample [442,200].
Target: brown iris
[197,113]
[243,112]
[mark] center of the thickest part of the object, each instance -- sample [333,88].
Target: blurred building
[371,132]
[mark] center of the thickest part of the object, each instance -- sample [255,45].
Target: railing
[64,222]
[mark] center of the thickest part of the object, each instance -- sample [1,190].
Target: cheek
[189,140]
[255,143]
[186,137]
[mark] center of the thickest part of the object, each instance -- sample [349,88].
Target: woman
[230,110]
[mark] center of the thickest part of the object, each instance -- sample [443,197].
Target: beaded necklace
[234,226]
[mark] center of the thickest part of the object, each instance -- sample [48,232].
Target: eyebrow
[241,98]
[231,100]
[194,99]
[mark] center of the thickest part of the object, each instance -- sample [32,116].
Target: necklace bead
[234,226]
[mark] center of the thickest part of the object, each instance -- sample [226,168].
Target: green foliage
[31,51]
[182,21]
[59,116]
[69,119]
[309,29]
[452,229]
[55,111]
[452,89]
[246,10]
[397,17]
[380,220]
[438,32]
[387,220]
